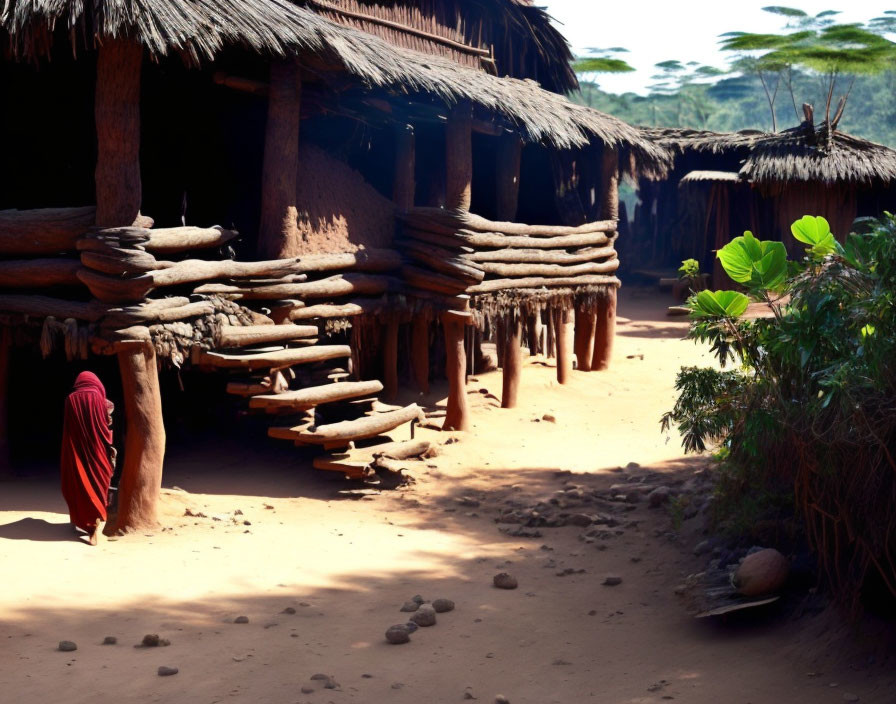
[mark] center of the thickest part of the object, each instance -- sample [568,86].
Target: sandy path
[346,563]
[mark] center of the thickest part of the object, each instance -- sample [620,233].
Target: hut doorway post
[420,351]
[403,185]
[141,477]
[563,334]
[117,116]
[583,344]
[605,324]
[278,230]
[459,157]
[512,362]
[457,416]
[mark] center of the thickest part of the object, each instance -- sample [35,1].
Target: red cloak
[85,464]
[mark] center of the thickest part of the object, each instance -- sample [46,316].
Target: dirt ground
[274,534]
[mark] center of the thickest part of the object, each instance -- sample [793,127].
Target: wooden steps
[275,359]
[248,335]
[348,431]
[313,396]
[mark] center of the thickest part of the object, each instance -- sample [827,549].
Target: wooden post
[459,157]
[390,360]
[141,477]
[420,351]
[507,183]
[563,326]
[512,365]
[117,116]
[5,468]
[278,229]
[605,331]
[403,183]
[533,332]
[584,339]
[457,416]
[605,326]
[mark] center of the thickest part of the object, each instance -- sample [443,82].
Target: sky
[686,30]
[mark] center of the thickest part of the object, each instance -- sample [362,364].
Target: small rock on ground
[165,671]
[424,616]
[307,690]
[241,619]
[398,634]
[67,646]
[417,599]
[110,640]
[409,606]
[443,605]
[152,640]
[288,610]
[658,496]
[501,699]
[612,580]
[504,580]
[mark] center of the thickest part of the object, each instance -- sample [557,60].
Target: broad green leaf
[747,260]
[816,232]
[727,304]
[771,269]
[868,330]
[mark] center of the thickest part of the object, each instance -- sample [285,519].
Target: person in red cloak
[87,460]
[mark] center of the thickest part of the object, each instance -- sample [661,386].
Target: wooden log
[131,315]
[44,306]
[352,469]
[303,399]
[390,359]
[430,281]
[521,270]
[44,230]
[609,183]
[444,261]
[403,183]
[246,335]
[275,383]
[37,273]
[405,450]
[359,429]
[462,238]
[459,157]
[563,326]
[533,333]
[457,416]
[446,241]
[344,310]
[117,115]
[538,282]
[462,219]
[542,256]
[605,331]
[127,263]
[507,182]
[274,360]
[174,240]
[512,363]
[584,339]
[144,453]
[332,287]
[420,352]
[278,231]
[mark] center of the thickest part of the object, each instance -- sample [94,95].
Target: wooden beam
[584,339]
[44,230]
[459,157]
[278,230]
[457,416]
[303,399]
[512,362]
[274,360]
[605,331]
[117,115]
[563,327]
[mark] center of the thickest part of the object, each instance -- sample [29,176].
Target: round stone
[505,581]
[410,606]
[397,635]
[424,616]
[110,640]
[67,646]
[241,619]
[165,671]
[443,605]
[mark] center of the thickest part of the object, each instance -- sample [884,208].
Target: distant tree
[685,84]
[600,61]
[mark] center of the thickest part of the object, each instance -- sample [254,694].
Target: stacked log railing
[90,290]
[524,281]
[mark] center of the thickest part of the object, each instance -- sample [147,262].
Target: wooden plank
[351,430]
[273,360]
[301,399]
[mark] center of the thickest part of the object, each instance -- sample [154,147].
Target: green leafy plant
[689,269]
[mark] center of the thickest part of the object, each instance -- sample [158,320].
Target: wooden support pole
[609,184]
[584,339]
[278,229]
[117,116]
[420,352]
[605,331]
[533,333]
[390,360]
[512,365]
[403,184]
[459,157]
[457,416]
[507,183]
[563,330]
[144,454]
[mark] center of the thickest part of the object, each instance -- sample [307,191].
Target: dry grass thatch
[803,154]
[710,177]
[197,29]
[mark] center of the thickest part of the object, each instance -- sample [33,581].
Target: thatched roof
[710,177]
[816,154]
[680,140]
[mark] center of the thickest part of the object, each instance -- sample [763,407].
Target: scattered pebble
[501,699]
[409,606]
[398,634]
[67,646]
[288,610]
[443,605]
[417,599]
[110,640]
[165,671]
[424,616]
[549,418]
[504,580]
[411,626]
[328,680]
[241,619]
[152,640]
[612,580]
[701,548]
[659,496]
[307,690]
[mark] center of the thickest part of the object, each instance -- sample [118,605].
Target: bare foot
[96,532]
